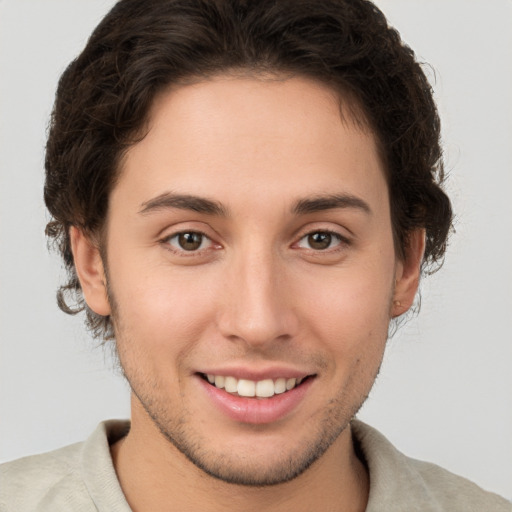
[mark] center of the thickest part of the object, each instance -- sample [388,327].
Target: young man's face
[249,239]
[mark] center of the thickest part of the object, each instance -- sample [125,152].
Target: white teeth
[246,387]
[230,384]
[280,386]
[265,388]
[262,389]
[290,384]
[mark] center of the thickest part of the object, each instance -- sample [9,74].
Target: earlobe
[408,273]
[90,271]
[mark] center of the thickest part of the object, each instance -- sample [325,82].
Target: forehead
[261,137]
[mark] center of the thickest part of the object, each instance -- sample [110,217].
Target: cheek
[358,302]
[162,309]
[350,311]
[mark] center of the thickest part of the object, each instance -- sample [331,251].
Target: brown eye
[320,240]
[190,241]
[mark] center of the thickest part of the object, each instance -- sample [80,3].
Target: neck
[155,476]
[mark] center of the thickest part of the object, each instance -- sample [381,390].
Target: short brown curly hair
[142,46]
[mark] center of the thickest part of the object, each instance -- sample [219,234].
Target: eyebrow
[330,202]
[169,200]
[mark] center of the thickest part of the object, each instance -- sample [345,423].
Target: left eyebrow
[169,200]
[330,202]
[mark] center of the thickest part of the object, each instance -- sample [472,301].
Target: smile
[265,388]
[268,397]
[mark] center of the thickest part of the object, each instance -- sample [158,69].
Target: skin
[256,294]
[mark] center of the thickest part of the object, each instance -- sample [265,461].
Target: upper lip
[257,374]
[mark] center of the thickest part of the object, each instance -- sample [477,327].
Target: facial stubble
[176,430]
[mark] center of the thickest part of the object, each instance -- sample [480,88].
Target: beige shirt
[81,478]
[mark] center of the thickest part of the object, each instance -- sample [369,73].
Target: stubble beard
[231,469]
[226,466]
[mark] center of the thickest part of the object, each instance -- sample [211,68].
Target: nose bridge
[257,309]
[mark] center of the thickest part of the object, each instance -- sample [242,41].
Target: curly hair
[143,46]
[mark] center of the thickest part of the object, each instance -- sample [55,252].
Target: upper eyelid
[176,233]
[342,239]
[300,234]
[175,229]
[322,230]
[182,231]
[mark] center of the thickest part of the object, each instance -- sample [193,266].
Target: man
[245,194]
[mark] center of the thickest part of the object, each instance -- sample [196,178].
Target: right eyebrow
[170,200]
[330,202]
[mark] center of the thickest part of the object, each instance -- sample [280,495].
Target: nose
[257,306]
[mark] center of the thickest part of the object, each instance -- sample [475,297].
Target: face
[251,274]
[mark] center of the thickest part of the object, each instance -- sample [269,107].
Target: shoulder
[455,492]
[401,483]
[79,477]
[29,482]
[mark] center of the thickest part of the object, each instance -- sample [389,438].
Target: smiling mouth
[266,388]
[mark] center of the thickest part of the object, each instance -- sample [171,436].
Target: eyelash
[181,251]
[343,242]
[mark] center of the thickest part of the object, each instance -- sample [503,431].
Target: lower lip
[257,410]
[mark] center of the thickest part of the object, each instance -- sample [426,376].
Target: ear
[90,271]
[407,274]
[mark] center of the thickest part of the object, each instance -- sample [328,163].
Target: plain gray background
[444,393]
